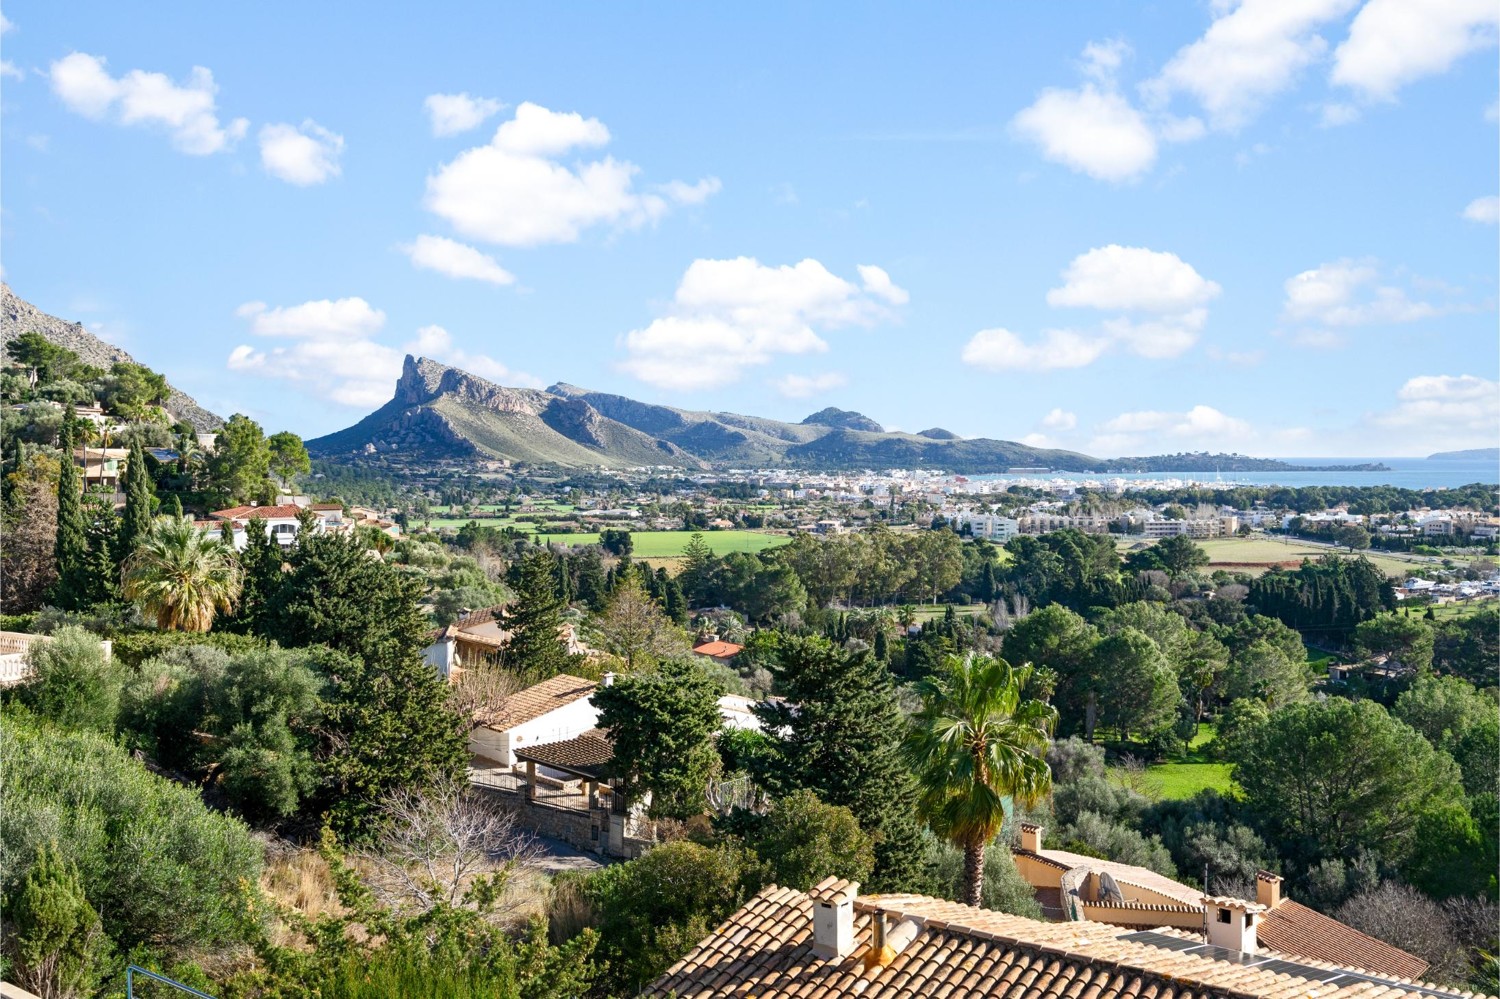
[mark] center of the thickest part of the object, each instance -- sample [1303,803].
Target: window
[1223,915]
[1249,919]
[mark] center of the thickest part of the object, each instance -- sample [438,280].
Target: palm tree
[977,740]
[182,575]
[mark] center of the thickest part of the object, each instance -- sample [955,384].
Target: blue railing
[133,970]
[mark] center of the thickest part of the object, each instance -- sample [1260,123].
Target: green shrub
[73,682]
[804,840]
[134,648]
[162,870]
[57,945]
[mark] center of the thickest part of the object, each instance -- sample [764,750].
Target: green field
[669,544]
[1257,554]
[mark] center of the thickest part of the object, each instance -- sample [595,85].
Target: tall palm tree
[182,575]
[977,740]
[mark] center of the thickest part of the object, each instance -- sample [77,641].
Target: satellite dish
[1109,892]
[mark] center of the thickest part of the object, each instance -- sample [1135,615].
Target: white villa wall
[566,722]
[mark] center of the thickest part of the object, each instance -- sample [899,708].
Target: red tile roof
[539,699]
[288,511]
[957,951]
[1296,929]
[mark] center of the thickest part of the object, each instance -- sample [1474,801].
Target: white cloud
[451,114]
[1444,411]
[1199,428]
[1349,293]
[1038,440]
[187,112]
[514,192]
[731,314]
[1060,419]
[878,283]
[1132,278]
[456,260]
[1253,51]
[6,25]
[10,69]
[1394,42]
[1159,338]
[1102,60]
[691,194]
[803,386]
[1090,130]
[302,155]
[1486,209]
[327,319]
[1001,350]
[333,351]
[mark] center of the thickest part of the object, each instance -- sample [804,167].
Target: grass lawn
[1452,612]
[1188,773]
[1183,780]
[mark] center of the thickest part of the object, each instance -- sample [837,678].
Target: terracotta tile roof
[533,702]
[264,512]
[586,755]
[765,950]
[718,650]
[1138,876]
[1296,929]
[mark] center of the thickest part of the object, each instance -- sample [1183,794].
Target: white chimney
[608,679]
[1232,922]
[1031,837]
[1267,889]
[833,917]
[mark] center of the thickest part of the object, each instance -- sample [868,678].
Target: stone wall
[586,829]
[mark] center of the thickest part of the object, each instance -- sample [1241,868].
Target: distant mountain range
[18,316]
[442,412]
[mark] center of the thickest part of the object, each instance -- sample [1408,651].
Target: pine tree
[175,510]
[844,743]
[533,619]
[139,500]
[72,547]
[676,603]
[59,944]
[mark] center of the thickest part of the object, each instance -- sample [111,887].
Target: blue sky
[1267,227]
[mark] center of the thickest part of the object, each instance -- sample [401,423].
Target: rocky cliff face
[423,380]
[18,316]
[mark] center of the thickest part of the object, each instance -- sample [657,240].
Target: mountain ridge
[18,316]
[444,412]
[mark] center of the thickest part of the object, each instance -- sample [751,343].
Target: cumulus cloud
[1347,293]
[456,260]
[1395,42]
[1060,419]
[1092,130]
[332,350]
[1254,50]
[1444,411]
[728,315]
[1132,278]
[1486,209]
[515,192]
[878,283]
[187,112]
[451,114]
[803,386]
[1159,299]
[303,155]
[1001,350]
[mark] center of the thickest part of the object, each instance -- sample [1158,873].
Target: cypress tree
[176,508]
[139,500]
[535,650]
[72,546]
[844,744]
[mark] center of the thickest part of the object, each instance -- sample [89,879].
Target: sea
[1407,473]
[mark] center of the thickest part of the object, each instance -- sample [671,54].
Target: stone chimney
[1031,837]
[833,917]
[1232,922]
[1268,889]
